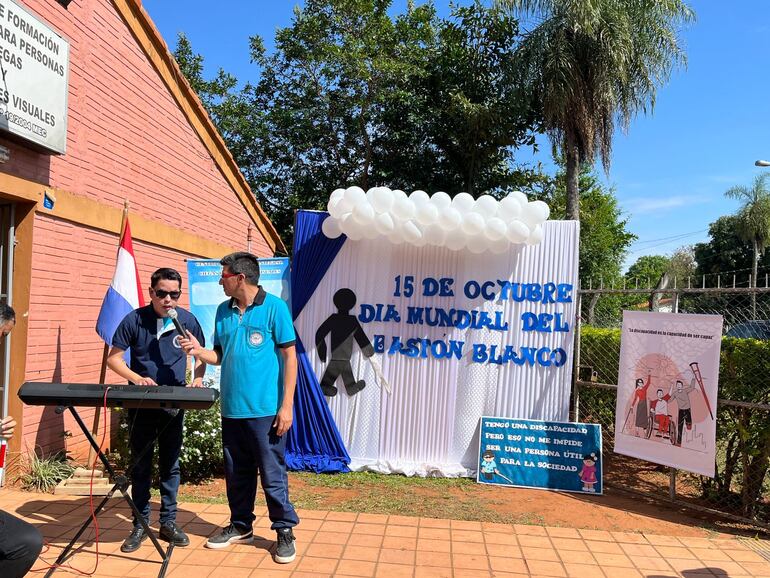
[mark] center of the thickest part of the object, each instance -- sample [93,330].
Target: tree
[753,218]
[648,270]
[725,252]
[682,265]
[604,238]
[355,96]
[592,63]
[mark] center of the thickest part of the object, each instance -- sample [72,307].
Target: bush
[201,456]
[743,434]
[43,474]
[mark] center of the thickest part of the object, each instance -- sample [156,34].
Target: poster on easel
[667,389]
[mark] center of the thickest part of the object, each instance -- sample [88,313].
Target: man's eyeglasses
[228,275]
[161,294]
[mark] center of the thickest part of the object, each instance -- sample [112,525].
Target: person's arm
[285,416]
[117,363]
[192,346]
[320,339]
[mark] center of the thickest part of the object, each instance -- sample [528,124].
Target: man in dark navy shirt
[156,359]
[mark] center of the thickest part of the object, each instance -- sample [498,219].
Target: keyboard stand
[121,483]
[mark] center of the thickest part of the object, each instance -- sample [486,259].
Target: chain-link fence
[740,486]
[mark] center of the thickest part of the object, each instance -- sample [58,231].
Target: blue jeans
[146,425]
[20,545]
[251,447]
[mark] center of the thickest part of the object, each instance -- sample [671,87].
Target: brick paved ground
[349,544]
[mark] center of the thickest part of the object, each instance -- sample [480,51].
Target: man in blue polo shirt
[254,343]
[157,358]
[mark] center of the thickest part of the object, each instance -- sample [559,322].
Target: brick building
[135,131]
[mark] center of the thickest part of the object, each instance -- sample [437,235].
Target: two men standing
[254,343]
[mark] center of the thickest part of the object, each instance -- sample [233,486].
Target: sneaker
[134,540]
[172,533]
[231,535]
[284,548]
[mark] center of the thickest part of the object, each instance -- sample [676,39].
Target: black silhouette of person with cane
[343,328]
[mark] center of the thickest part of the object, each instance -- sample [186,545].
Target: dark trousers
[20,545]
[146,425]
[251,447]
[685,416]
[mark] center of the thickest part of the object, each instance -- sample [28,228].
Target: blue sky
[670,172]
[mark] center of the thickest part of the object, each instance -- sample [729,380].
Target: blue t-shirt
[154,344]
[251,379]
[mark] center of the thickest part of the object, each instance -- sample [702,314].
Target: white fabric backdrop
[428,425]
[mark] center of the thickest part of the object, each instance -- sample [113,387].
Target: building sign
[540,454]
[34,66]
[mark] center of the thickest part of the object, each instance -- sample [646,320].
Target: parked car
[756,329]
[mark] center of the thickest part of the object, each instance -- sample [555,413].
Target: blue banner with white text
[540,454]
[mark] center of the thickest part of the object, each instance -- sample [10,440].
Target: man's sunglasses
[161,294]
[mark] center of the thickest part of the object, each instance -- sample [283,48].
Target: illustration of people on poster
[667,389]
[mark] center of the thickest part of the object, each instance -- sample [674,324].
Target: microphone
[174,316]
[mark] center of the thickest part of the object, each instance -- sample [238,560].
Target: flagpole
[103,369]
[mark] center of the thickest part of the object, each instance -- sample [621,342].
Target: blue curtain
[313,441]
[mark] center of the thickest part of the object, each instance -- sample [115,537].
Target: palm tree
[592,62]
[754,223]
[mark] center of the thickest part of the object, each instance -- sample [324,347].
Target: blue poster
[206,293]
[540,454]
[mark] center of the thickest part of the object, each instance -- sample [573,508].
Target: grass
[43,474]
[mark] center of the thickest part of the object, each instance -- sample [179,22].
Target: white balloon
[535,236]
[337,194]
[440,200]
[518,196]
[477,244]
[419,198]
[383,223]
[486,205]
[509,209]
[421,242]
[426,214]
[351,228]
[435,235]
[542,209]
[500,246]
[355,195]
[398,194]
[411,232]
[382,199]
[343,205]
[455,241]
[449,218]
[530,215]
[472,224]
[363,213]
[335,208]
[331,228]
[403,209]
[517,232]
[396,238]
[495,229]
[463,202]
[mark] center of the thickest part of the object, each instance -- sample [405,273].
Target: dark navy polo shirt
[154,344]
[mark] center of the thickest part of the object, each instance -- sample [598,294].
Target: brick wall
[126,136]
[126,139]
